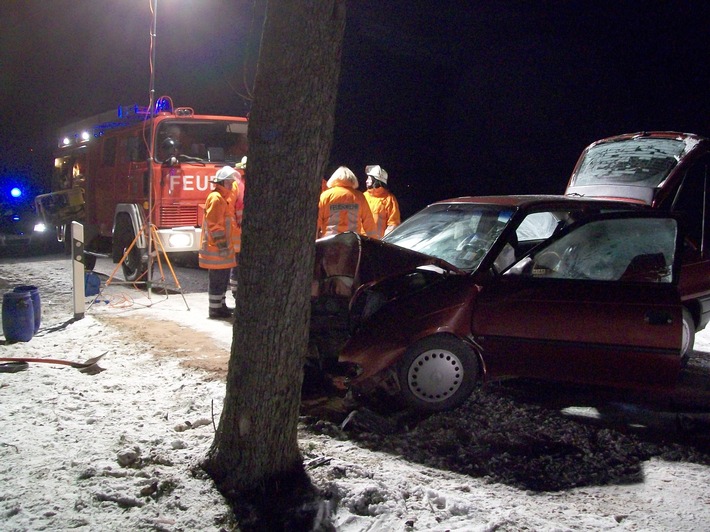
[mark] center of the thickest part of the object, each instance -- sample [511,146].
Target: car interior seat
[649,267]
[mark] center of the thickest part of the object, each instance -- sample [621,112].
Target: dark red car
[482,288]
[663,170]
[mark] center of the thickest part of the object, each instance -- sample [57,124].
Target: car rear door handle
[658,317]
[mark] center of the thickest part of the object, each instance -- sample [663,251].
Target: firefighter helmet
[226,173]
[170,145]
[376,172]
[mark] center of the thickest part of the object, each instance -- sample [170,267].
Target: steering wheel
[546,262]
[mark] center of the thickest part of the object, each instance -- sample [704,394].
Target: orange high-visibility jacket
[236,200]
[217,241]
[341,209]
[384,208]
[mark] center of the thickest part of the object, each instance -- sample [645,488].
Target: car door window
[691,202]
[620,249]
[536,226]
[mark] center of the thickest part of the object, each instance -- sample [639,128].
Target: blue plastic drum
[36,303]
[18,317]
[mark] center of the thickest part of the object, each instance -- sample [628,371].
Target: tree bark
[290,135]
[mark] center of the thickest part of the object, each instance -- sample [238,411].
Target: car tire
[437,373]
[688,337]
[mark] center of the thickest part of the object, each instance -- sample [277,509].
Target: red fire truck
[119,172]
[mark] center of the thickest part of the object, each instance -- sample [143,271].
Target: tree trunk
[290,134]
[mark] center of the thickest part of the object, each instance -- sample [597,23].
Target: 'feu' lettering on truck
[190,182]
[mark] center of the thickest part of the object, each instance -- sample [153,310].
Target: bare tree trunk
[290,135]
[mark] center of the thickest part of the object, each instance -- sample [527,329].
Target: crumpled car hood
[363,260]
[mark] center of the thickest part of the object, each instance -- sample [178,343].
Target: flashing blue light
[15,192]
[164,105]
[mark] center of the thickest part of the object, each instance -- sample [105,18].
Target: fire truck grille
[178,215]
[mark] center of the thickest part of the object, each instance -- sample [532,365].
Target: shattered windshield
[641,161]
[220,141]
[460,234]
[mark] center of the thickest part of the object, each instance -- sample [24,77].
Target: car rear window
[638,162]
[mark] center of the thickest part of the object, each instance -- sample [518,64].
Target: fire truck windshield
[220,141]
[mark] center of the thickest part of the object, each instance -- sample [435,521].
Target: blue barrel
[36,303]
[18,317]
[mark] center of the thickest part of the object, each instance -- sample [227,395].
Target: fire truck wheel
[89,261]
[122,238]
[133,266]
[66,235]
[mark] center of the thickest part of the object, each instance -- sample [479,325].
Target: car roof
[528,201]
[652,134]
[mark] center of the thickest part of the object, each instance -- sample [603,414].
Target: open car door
[597,303]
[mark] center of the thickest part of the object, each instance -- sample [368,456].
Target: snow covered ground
[118,450]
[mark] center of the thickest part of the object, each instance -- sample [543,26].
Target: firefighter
[342,207]
[237,200]
[383,204]
[218,242]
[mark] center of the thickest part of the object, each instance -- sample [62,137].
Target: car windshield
[459,233]
[641,161]
[222,141]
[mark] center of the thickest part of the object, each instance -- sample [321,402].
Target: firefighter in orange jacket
[217,246]
[237,202]
[342,207]
[383,204]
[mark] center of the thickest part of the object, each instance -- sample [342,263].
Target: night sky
[451,97]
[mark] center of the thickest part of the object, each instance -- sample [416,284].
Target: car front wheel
[437,373]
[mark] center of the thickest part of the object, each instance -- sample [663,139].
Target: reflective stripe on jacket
[384,208]
[217,241]
[343,209]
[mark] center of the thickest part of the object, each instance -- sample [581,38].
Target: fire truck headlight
[180,241]
[40,227]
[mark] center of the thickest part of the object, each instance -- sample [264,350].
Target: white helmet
[226,173]
[376,171]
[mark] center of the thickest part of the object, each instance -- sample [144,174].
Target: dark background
[451,97]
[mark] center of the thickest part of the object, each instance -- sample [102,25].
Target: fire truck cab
[121,173]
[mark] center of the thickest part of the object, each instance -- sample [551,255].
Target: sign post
[77,246]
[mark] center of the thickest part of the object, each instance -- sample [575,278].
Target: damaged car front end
[356,282]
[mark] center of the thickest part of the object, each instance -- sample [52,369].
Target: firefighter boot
[217,308]
[220,313]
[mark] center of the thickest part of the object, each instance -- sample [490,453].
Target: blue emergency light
[163,105]
[81,132]
[15,192]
